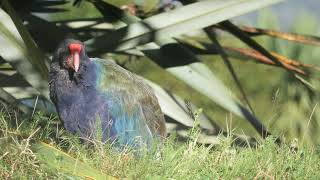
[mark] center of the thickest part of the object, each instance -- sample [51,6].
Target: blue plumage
[102,101]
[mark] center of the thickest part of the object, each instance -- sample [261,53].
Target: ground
[179,160]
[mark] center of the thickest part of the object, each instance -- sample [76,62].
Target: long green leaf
[209,85]
[19,54]
[12,101]
[173,107]
[182,20]
[38,60]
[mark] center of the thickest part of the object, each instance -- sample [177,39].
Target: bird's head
[69,54]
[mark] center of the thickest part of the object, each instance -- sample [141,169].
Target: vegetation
[225,113]
[179,160]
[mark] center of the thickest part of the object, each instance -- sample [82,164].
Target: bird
[99,100]
[143,9]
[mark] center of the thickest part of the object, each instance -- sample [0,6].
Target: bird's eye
[62,53]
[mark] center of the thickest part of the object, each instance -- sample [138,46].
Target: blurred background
[287,12]
[288,102]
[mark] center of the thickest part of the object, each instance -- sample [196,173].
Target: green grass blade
[55,159]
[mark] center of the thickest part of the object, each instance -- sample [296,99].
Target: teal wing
[133,112]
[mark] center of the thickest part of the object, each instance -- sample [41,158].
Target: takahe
[100,100]
[144,8]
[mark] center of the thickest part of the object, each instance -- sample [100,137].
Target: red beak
[75,49]
[76,61]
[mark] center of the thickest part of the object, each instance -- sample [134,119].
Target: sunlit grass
[179,160]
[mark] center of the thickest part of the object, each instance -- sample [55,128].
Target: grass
[179,160]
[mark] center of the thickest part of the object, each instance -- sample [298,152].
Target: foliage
[155,30]
[178,160]
[190,62]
